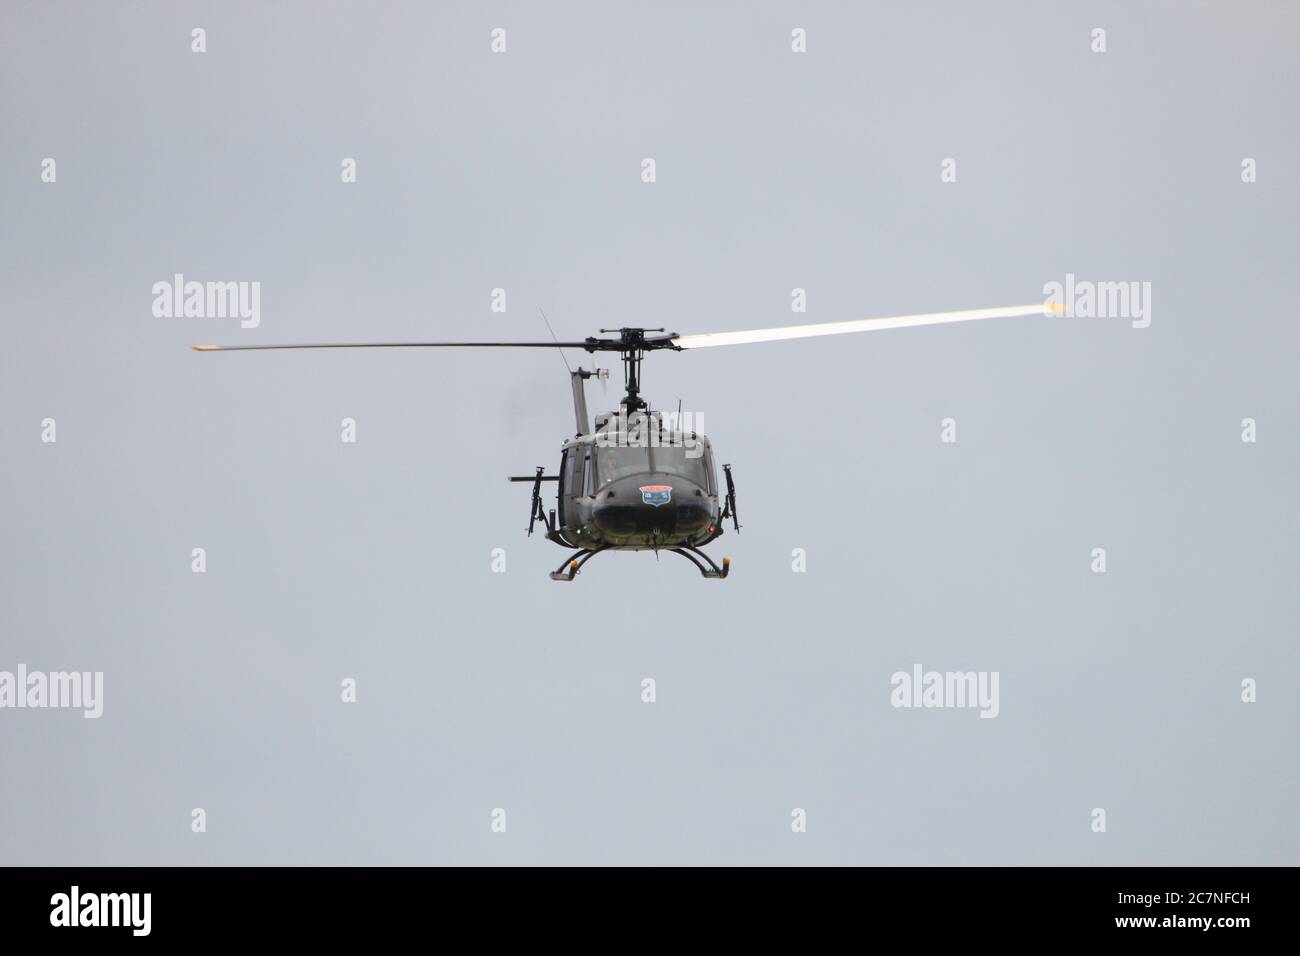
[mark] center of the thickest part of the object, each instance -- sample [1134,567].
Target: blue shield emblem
[656,495]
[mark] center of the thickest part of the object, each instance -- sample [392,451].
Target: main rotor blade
[395,345]
[710,339]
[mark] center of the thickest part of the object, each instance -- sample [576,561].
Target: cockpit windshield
[614,462]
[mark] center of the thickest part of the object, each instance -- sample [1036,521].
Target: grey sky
[775,170]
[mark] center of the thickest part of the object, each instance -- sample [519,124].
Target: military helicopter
[634,481]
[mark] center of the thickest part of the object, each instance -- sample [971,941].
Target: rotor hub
[633,343]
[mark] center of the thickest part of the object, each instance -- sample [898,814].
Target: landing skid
[570,568]
[704,562]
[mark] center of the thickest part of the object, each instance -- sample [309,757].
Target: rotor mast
[632,343]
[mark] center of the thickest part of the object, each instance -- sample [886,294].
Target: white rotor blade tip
[745,336]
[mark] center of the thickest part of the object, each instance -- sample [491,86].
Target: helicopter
[631,480]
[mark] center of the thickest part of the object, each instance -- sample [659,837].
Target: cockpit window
[614,462]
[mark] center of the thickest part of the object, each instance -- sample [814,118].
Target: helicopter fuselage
[633,482]
[636,497]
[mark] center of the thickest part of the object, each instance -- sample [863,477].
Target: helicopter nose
[651,504]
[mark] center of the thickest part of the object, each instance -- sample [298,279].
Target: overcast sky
[775,170]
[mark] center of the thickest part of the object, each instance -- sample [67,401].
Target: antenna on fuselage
[563,357]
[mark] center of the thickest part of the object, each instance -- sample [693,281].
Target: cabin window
[613,463]
[577,461]
[589,475]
